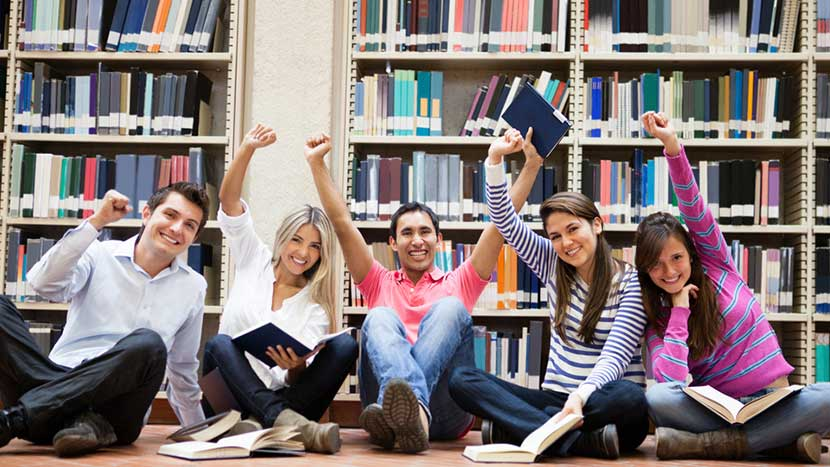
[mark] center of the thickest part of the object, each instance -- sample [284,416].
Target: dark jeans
[119,384]
[309,396]
[519,410]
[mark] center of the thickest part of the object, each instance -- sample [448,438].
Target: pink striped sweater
[748,357]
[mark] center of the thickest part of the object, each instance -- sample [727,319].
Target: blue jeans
[805,411]
[518,410]
[445,341]
[310,396]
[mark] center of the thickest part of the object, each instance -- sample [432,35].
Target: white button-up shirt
[249,301]
[111,296]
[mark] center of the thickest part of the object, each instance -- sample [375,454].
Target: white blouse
[250,298]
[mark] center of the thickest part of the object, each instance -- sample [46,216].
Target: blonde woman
[293,287]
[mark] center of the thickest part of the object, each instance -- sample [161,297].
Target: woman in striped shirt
[714,332]
[597,322]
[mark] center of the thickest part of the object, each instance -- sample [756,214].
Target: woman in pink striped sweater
[705,325]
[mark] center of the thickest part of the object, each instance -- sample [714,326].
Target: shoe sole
[809,449]
[331,439]
[402,413]
[380,433]
[611,440]
[73,446]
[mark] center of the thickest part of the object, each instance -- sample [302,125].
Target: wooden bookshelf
[797,153]
[225,70]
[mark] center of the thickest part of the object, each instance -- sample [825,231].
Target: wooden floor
[356,452]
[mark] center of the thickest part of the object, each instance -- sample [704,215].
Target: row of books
[24,251]
[741,104]
[121,25]
[822,105]
[491,100]
[769,273]
[822,191]
[738,192]
[453,189]
[46,335]
[132,102]
[823,26]
[822,357]
[512,357]
[403,103]
[710,26]
[462,25]
[823,279]
[47,185]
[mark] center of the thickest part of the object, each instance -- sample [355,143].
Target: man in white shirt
[134,306]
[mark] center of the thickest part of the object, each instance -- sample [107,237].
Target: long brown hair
[705,320]
[605,267]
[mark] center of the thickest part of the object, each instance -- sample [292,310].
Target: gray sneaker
[380,433]
[87,433]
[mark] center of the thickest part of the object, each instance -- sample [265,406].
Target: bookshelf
[464,71]
[223,67]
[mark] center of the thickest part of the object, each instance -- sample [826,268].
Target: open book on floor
[732,410]
[207,430]
[256,341]
[533,446]
[282,440]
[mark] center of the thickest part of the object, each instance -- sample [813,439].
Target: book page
[245,440]
[715,397]
[331,336]
[546,434]
[760,404]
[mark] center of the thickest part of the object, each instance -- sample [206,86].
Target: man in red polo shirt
[419,325]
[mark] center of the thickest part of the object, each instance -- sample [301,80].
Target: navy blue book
[256,341]
[530,109]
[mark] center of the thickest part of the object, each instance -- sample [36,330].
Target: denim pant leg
[623,404]
[516,409]
[445,341]
[316,387]
[251,394]
[387,354]
[669,406]
[805,411]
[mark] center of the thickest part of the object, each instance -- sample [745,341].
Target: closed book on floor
[732,410]
[208,429]
[534,445]
[530,109]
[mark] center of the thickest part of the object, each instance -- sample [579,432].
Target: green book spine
[822,358]
[64,174]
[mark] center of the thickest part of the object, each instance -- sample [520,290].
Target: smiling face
[673,267]
[574,240]
[171,227]
[415,241]
[302,251]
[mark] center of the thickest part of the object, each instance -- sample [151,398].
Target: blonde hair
[321,275]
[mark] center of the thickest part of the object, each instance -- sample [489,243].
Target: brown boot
[317,437]
[807,449]
[728,443]
[380,433]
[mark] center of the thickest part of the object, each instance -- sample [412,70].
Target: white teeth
[417,253]
[169,239]
[302,263]
[572,252]
[671,281]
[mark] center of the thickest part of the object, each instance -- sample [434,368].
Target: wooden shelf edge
[49,306]
[821,317]
[211,58]
[72,222]
[478,312]
[434,140]
[119,139]
[687,57]
[617,228]
[787,317]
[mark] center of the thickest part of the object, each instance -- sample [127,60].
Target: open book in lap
[532,446]
[257,339]
[732,410]
[283,440]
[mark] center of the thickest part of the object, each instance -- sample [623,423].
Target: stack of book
[24,251]
[512,357]
[403,103]
[707,26]
[769,273]
[491,100]
[822,105]
[822,357]
[453,189]
[740,104]
[107,102]
[56,186]
[740,192]
[823,279]
[122,25]
[462,25]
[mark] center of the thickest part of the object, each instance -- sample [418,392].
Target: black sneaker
[602,443]
[12,424]
[87,433]
[492,433]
